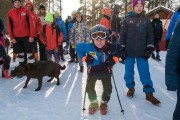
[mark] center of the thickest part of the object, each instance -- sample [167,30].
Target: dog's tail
[62,67]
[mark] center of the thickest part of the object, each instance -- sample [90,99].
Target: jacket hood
[30,3]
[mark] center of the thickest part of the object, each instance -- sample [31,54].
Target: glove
[89,59]
[123,53]
[109,63]
[167,43]
[148,52]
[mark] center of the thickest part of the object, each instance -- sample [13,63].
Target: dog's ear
[26,66]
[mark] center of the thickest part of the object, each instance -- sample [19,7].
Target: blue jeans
[143,69]
[176,114]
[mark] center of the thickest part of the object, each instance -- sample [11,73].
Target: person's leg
[49,55]
[56,55]
[72,54]
[176,114]
[35,50]
[157,52]
[29,47]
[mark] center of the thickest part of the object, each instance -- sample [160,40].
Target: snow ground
[65,102]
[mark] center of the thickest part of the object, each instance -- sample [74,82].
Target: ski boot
[130,92]
[103,108]
[93,107]
[152,99]
[5,74]
[81,68]
[158,57]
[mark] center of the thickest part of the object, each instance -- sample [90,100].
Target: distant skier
[100,57]
[158,31]
[137,42]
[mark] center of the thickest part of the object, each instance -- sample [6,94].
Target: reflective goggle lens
[101,35]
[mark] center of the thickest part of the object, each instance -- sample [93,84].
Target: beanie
[49,17]
[135,2]
[15,0]
[106,11]
[69,17]
[42,7]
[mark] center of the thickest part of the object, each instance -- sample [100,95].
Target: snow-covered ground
[65,102]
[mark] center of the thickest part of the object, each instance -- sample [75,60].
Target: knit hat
[69,17]
[49,17]
[135,2]
[15,0]
[42,7]
[106,11]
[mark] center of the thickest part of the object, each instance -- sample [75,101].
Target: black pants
[42,50]
[106,82]
[72,52]
[156,46]
[6,62]
[61,50]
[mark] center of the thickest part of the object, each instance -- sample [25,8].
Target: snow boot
[93,107]
[81,68]
[158,57]
[130,92]
[103,108]
[71,61]
[153,56]
[5,74]
[152,99]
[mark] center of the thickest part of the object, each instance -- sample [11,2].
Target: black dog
[38,70]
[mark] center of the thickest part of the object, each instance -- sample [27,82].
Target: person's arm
[10,27]
[161,31]
[63,27]
[150,34]
[39,25]
[123,33]
[171,27]
[1,26]
[31,25]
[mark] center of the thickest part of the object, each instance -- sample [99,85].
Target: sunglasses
[99,34]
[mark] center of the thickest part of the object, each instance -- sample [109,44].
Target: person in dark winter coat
[158,30]
[100,57]
[5,62]
[172,68]
[174,19]
[115,24]
[137,42]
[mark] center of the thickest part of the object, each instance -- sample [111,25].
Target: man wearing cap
[21,31]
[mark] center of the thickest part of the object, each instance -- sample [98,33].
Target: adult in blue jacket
[62,26]
[172,68]
[100,56]
[174,19]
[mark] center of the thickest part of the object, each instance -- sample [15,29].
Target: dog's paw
[57,83]
[49,81]
[25,87]
[37,89]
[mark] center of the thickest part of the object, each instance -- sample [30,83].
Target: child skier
[100,57]
[79,33]
[4,61]
[137,42]
[51,37]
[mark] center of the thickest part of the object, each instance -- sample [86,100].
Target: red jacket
[104,21]
[50,39]
[20,23]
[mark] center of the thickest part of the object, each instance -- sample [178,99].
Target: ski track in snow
[65,102]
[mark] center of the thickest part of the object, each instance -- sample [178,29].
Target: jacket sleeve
[72,34]
[150,34]
[10,27]
[171,27]
[172,66]
[105,23]
[31,25]
[123,33]
[60,38]
[39,25]
[161,30]
[87,34]
[113,25]
[80,49]
[63,27]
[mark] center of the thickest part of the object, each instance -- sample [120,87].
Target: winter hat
[135,2]
[42,7]
[106,11]
[30,3]
[69,17]
[49,17]
[15,0]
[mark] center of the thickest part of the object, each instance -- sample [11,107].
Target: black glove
[148,52]
[123,53]
[167,43]
[109,63]
[89,59]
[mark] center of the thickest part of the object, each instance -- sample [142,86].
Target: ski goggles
[99,34]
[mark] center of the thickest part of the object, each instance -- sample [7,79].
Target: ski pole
[117,92]
[88,70]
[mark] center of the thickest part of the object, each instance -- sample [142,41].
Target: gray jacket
[136,34]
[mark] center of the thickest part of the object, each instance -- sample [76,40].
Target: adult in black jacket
[158,30]
[115,24]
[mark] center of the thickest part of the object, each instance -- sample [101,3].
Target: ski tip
[122,112]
